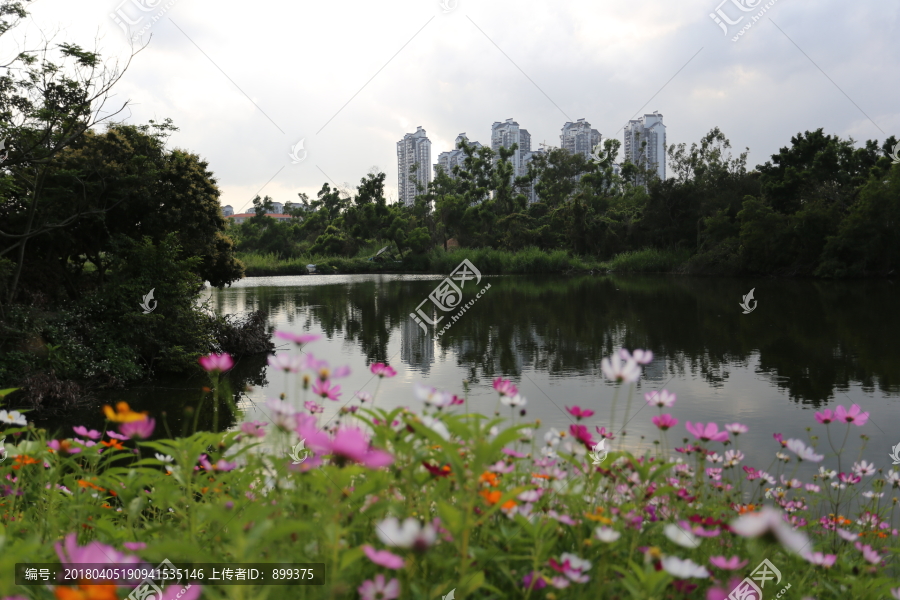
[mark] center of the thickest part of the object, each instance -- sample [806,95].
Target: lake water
[806,346]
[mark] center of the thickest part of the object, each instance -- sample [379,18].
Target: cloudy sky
[246,81]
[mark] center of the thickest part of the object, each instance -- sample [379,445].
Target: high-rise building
[506,134]
[413,149]
[455,157]
[227,210]
[278,208]
[579,138]
[530,192]
[645,143]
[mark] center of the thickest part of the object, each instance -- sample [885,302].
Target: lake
[806,346]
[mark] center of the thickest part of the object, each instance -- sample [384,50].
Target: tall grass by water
[648,260]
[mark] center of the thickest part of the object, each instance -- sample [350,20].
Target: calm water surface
[807,346]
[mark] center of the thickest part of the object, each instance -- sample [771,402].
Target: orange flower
[491,497]
[87,591]
[540,476]
[488,477]
[508,505]
[745,508]
[22,459]
[114,444]
[84,483]
[596,516]
[123,413]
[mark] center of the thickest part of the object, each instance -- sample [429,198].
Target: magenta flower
[665,422]
[537,578]
[351,443]
[138,429]
[580,433]
[300,340]
[854,415]
[84,432]
[378,589]
[737,428]
[382,370]
[383,558]
[55,445]
[216,363]
[661,399]
[728,564]
[117,436]
[326,390]
[313,407]
[604,433]
[825,417]
[505,387]
[254,428]
[135,546]
[707,433]
[851,479]
[71,555]
[580,413]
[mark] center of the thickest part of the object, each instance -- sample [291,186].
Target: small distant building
[277,208]
[227,210]
[240,218]
[579,138]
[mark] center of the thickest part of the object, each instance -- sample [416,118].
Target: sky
[246,82]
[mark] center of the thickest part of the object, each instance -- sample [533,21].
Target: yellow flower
[123,413]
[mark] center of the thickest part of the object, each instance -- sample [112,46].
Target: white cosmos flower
[410,533]
[517,400]
[607,534]
[683,569]
[681,537]
[863,468]
[825,473]
[770,521]
[437,426]
[615,370]
[552,437]
[803,452]
[13,417]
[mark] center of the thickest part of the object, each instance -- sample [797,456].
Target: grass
[648,260]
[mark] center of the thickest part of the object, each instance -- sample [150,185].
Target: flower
[641,357]
[382,370]
[254,428]
[615,370]
[283,414]
[770,522]
[863,468]
[572,567]
[378,589]
[868,553]
[604,433]
[817,558]
[216,363]
[717,593]
[854,415]
[683,569]
[733,457]
[138,429]
[135,546]
[323,369]
[661,399]
[825,417]
[580,413]
[513,401]
[437,426]
[123,413]
[71,555]
[538,579]
[13,417]
[728,564]
[300,340]
[285,362]
[737,428]
[803,452]
[607,534]
[65,446]
[411,534]
[325,389]
[430,395]
[680,536]
[383,558]
[82,431]
[505,387]
[664,422]
[709,432]
[351,443]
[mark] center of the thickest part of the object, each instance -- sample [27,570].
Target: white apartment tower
[579,138]
[506,134]
[649,130]
[530,192]
[413,149]
[455,157]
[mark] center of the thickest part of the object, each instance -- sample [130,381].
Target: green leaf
[475,581]
[451,517]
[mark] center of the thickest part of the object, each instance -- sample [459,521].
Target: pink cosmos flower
[254,428]
[868,553]
[817,558]
[383,558]
[665,422]
[572,567]
[604,433]
[661,399]
[285,362]
[300,340]
[580,433]
[82,431]
[709,432]
[737,428]
[364,396]
[323,369]
[382,370]
[378,589]
[825,417]
[580,413]
[313,407]
[717,593]
[854,415]
[615,370]
[138,429]
[221,465]
[538,579]
[351,443]
[641,357]
[770,522]
[71,555]
[135,546]
[505,387]
[851,479]
[728,564]
[714,474]
[216,363]
[326,390]
[117,436]
[55,445]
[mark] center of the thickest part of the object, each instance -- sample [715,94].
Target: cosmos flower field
[434,501]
